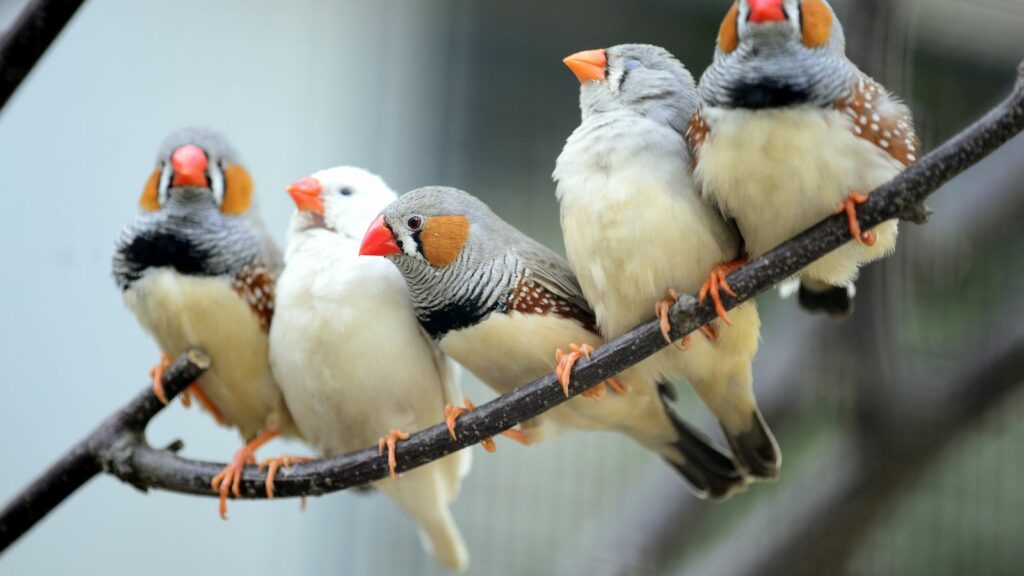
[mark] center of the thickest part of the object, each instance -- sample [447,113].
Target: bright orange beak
[189,163]
[588,65]
[379,241]
[305,192]
[767,11]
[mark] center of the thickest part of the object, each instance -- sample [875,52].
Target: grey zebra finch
[501,304]
[198,269]
[789,131]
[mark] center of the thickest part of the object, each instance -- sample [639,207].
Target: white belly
[183,311]
[778,172]
[350,356]
[508,351]
[634,234]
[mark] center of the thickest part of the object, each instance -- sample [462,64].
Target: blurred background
[901,427]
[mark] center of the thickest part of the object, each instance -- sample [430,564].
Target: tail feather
[756,449]
[441,537]
[710,472]
[836,301]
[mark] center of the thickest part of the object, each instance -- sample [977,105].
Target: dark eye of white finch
[345,191]
[631,65]
[414,222]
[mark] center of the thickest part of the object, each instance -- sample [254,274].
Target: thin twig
[36,27]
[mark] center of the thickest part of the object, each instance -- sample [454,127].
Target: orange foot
[563,371]
[195,390]
[713,285]
[390,440]
[661,308]
[157,374]
[850,207]
[451,413]
[230,478]
[273,464]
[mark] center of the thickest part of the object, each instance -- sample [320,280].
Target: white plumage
[351,357]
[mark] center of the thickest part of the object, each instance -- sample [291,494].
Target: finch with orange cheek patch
[198,268]
[789,131]
[501,304]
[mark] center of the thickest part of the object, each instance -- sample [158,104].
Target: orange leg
[391,440]
[714,284]
[661,308]
[850,207]
[563,370]
[453,412]
[230,478]
[273,464]
[617,386]
[564,363]
[157,374]
[206,403]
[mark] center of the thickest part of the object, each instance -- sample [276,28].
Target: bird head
[639,78]
[340,199]
[778,53]
[196,169]
[433,226]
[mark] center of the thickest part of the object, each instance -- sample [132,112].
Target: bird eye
[414,222]
[629,65]
[345,191]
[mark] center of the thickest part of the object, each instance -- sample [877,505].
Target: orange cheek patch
[817,23]
[728,34]
[237,190]
[443,238]
[149,199]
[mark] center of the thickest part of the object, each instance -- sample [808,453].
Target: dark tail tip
[756,450]
[709,471]
[836,301]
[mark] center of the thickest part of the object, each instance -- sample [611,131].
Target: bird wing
[880,118]
[548,285]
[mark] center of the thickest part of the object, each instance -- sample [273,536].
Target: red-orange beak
[305,192]
[189,163]
[767,11]
[588,65]
[379,241]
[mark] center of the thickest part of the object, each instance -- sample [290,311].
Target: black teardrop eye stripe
[416,238]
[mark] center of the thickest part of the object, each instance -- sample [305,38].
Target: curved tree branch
[87,458]
[128,456]
[24,43]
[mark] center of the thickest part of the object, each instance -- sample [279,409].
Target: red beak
[305,192]
[189,163]
[588,65]
[767,11]
[379,241]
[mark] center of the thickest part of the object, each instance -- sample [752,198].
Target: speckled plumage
[779,169]
[513,302]
[195,276]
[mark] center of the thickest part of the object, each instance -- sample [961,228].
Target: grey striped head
[778,53]
[637,78]
[456,255]
[195,213]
